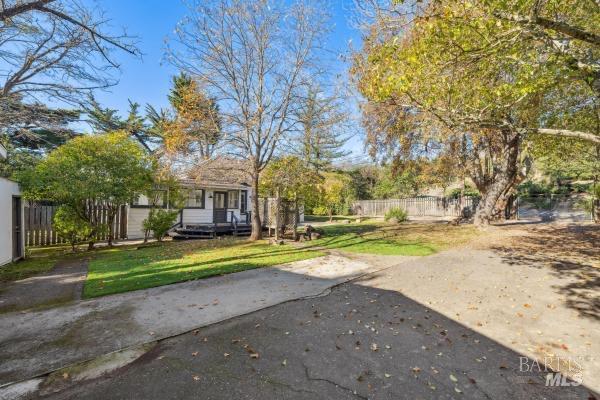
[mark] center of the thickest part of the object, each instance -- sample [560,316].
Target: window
[195,198]
[244,202]
[219,200]
[233,199]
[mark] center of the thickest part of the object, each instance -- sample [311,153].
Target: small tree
[89,171]
[289,178]
[166,190]
[70,226]
[335,193]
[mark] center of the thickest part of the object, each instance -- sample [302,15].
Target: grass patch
[325,218]
[388,239]
[121,270]
[26,268]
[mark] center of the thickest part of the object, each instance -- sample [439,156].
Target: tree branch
[588,137]
[561,27]
[22,8]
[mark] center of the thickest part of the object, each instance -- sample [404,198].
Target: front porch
[234,227]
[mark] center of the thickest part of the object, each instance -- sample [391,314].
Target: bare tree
[52,50]
[253,56]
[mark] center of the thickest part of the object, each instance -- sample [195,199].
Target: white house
[11,219]
[218,199]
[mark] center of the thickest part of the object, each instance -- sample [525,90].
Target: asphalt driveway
[465,323]
[358,342]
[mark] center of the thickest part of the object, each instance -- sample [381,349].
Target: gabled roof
[220,172]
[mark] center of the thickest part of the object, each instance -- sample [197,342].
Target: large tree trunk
[486,208]
[256,224]
[497,187]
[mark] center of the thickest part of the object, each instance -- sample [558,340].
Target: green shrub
[70,226]
[319,210]
[159,221]
[469,191]
[397,214]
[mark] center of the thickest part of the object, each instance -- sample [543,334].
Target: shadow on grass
[176,269]
[371,238]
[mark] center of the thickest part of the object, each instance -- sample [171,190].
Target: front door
[220,207]
[17,238]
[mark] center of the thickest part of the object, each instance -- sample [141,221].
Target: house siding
[137,214]
[8,189]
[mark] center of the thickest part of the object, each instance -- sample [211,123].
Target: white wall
[136,216]
[7,190]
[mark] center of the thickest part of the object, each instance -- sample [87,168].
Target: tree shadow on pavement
[571,252]
[356,343]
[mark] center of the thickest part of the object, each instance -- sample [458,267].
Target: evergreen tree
[105,120]
[30,130]
[322,120]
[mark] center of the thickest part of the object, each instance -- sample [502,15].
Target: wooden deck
[209,231]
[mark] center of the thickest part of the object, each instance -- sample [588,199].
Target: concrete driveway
[359,342]
[39,342]
[475,322]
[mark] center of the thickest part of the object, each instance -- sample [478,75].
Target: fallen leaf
[194,354]
[65,375]
[457,390]
[284,363]
[196,377]
[526,305]
[387,375]
[374,347]
[254,355]
[226,354]
[453,378]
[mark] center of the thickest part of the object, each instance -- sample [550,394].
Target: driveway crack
[352,391]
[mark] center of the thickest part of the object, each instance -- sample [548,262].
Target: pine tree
[322,121]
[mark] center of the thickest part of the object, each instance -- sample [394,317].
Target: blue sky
[147,80]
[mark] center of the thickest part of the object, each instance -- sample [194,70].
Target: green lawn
[126,268]
[387,239]
[122,270]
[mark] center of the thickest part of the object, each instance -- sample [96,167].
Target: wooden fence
[426,206]
[38,224]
